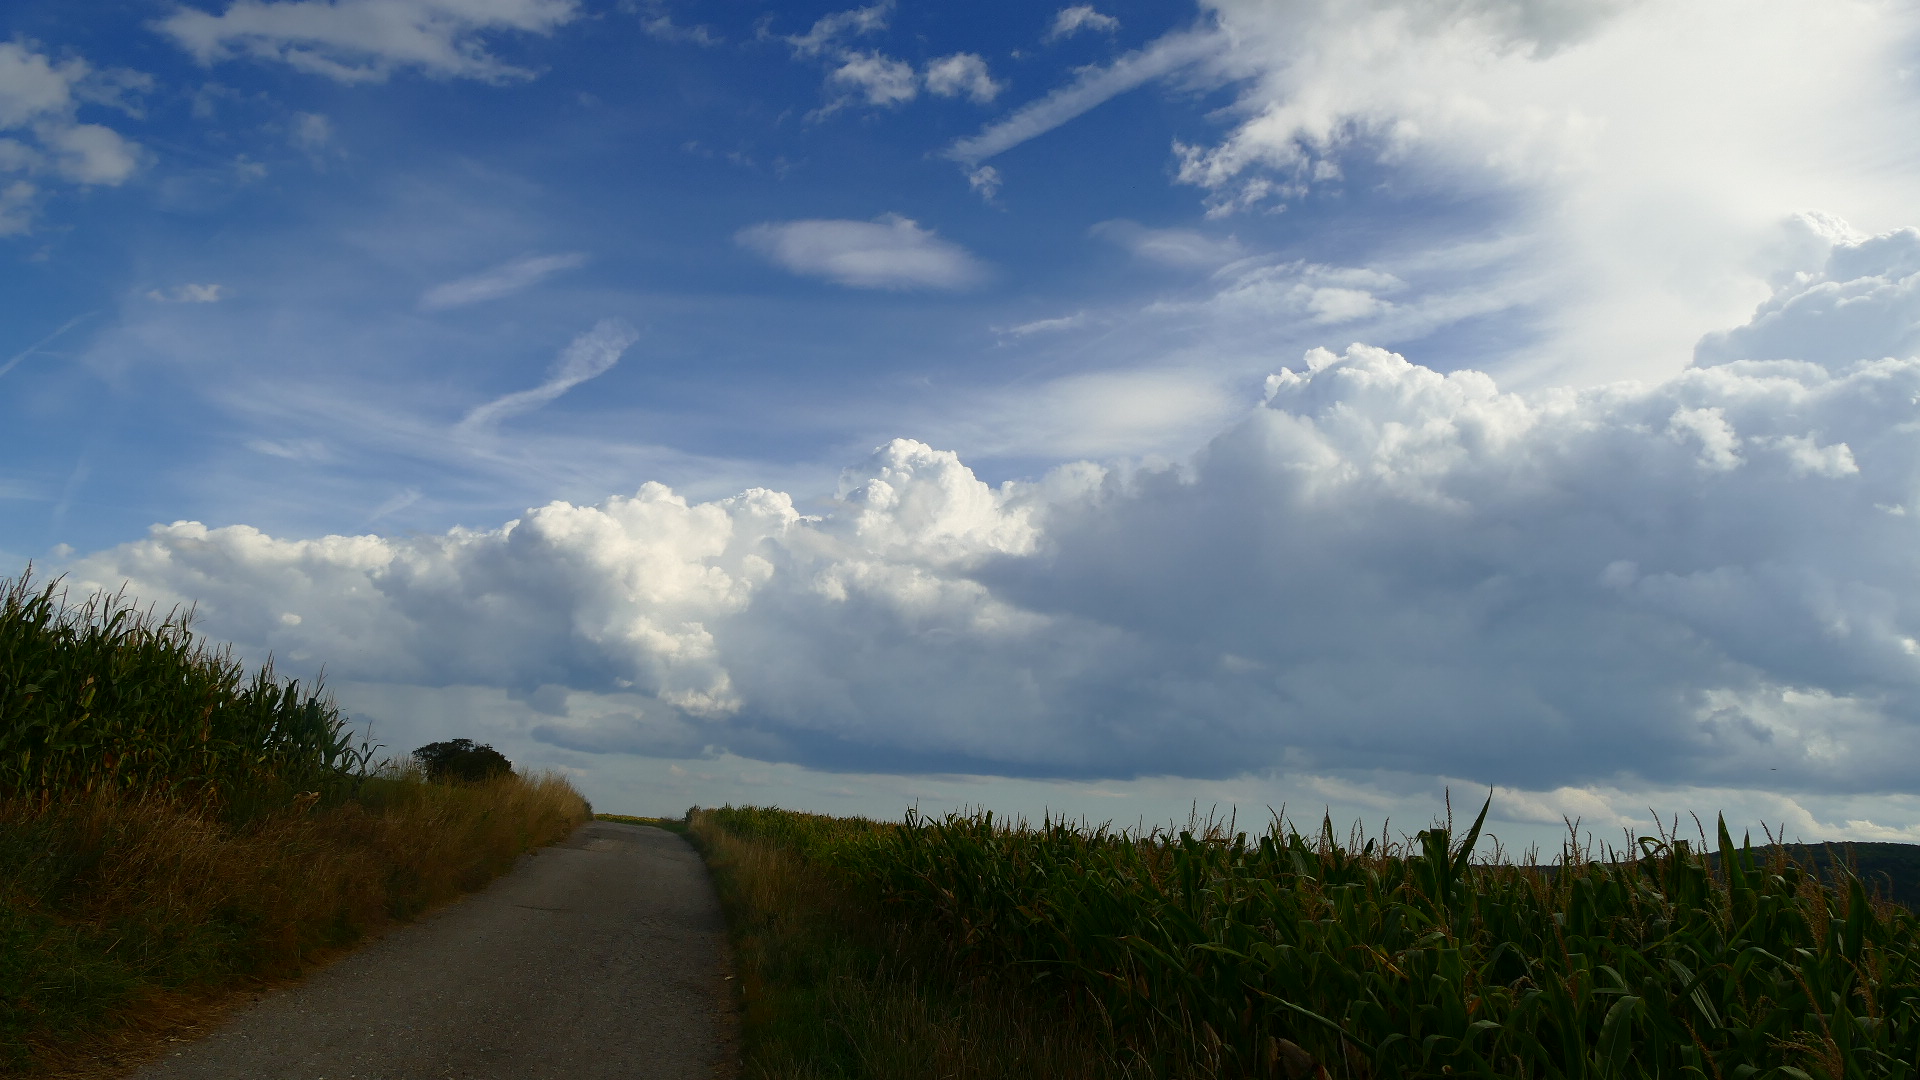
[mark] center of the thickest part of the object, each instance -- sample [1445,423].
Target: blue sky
[323,213]
[1326,402]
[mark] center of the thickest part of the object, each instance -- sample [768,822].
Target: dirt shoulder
[599,957]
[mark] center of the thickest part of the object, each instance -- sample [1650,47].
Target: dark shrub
[462,759]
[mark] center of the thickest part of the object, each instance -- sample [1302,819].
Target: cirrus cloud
[587,356]
[503,280]
[354,41]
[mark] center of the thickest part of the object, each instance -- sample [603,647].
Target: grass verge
[831,988]
[127,919]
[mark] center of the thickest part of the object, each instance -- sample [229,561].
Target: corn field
[100,694]
[1204,952]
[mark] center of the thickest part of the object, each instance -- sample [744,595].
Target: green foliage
[101,695]
[1209,952]
[833,989]
[462,760]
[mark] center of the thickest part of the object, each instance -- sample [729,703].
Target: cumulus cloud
[41,134]
[890,252]
[588,356]
[311,132]
[504,280]
[985,181]
[962,74]
[33,86]
[1860,307]
[1641,154]
[1072,20]
[367,40]
[1705,582]
[829,32]
[189,294]
[1618,137]
[879,79]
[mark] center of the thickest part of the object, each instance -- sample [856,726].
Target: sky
[1105,410]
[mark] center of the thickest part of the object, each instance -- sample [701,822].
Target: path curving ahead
[598,958]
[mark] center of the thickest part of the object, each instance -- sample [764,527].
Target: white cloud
[189,294]
[830,31]
[880,79]
[32,86]
[503,280]
[659,24]
[985,180]
[1859,308]
[1184,248]
[311,131]
[41,134]
[1093,86]
[90,153]
[890,252]
[1319,295]
[962,74]
[1691,585]
[1072,20]
[1048,326]
[588,356]
[367,40]
[1646,150]
[1641,156]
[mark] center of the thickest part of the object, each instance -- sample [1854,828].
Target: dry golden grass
[132,919]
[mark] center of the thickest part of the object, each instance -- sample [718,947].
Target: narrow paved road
[597,958]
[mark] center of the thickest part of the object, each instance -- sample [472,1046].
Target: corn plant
[1211,953]
[102,694]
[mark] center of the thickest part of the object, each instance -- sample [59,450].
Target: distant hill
[1890,870]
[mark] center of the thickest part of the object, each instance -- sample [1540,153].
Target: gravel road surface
[599,957]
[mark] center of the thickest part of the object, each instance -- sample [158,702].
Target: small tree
[462,759]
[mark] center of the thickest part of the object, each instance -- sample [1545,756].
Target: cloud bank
[890,252]
[1706,582]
